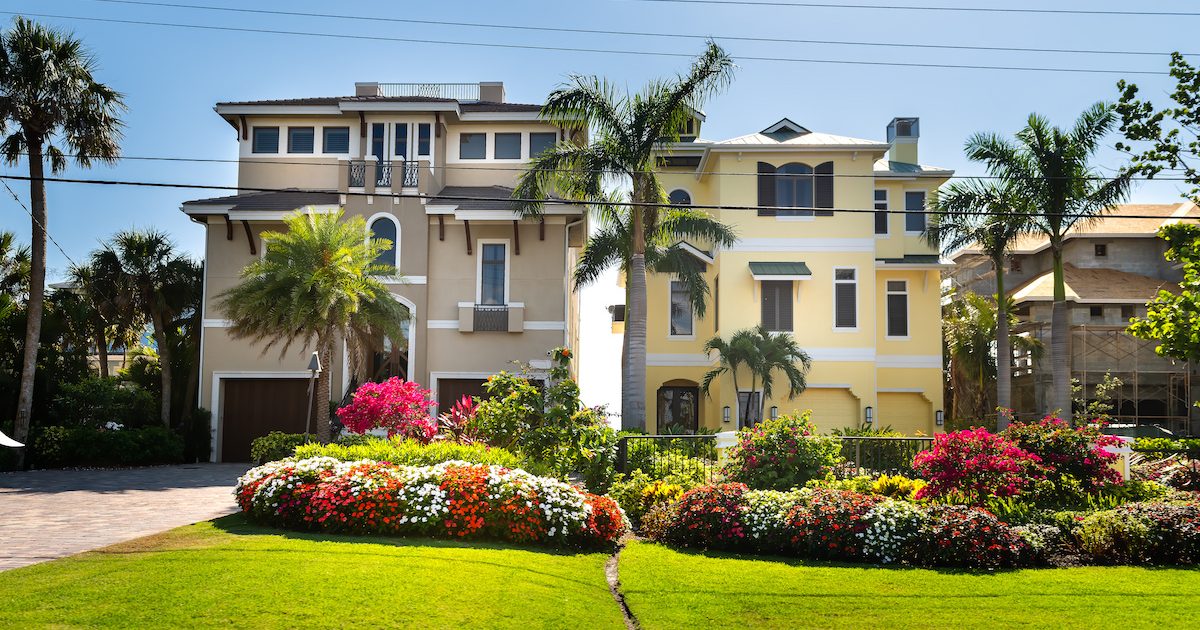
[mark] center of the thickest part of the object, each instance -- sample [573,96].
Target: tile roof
[1092,284]
[1162,212]
[283,200]
[487,197]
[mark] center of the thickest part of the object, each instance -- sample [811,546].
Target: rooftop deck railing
[457,91]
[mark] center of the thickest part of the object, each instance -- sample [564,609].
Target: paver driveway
[47,514]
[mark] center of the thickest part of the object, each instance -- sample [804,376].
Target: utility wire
[588,31]
[909,7]
[4,179]
[639,53]
[551,201]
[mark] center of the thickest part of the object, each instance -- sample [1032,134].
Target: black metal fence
[491,318]
[880,455]
[662,455]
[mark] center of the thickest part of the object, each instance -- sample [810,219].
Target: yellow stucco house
[860,291]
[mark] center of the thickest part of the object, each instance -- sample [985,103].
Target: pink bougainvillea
[399,407]
[974,464]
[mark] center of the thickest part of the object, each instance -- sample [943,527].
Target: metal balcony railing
[457,91]
[489,318]
[383,173]
[411,176]
[358,174]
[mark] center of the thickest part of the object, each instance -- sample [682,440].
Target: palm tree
[762,353]
[48,94]
[315,285]
[629,133]
[109,317]
[989,216]
[1049,168]
[14,266]
[739,352]
[148,274]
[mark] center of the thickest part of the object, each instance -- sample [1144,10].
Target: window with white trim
[400,144]
[335,140]
[881,214]
[749,408]
[541,141]
[681,310]
[301,139]
[385,228]
[424,133]
[493,271]
[914,211]
[507,146]
[264,140]
[897,308]
[472,146]
[777,305]
[845,298]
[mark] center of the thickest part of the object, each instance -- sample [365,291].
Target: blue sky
[172,77]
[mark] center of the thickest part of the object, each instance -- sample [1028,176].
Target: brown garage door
[254,407]
[451,390]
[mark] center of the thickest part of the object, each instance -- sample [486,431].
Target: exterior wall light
[725,414]
[939,418]
[774,412]
[868,415]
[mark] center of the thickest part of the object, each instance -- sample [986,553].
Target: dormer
[690,130]
[902,134]
[784,130]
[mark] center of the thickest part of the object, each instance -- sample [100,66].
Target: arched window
[386,228]
[679,197]
[794,186]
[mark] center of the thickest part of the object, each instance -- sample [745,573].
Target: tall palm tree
[156,281]
[49,101]
[762,353]
[14,266]
[990,216]
[628,134]
[315,285]
[109,315]
[1050,169]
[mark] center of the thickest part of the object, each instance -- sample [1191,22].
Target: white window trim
[280,142]
[479,243]
[317,140]
[907,311]
[925,193]
[246,147]
[396,245]
[522,147]
[672,337]
[416,140]
[887,206]
[737,399]
[487,146]
[857,293]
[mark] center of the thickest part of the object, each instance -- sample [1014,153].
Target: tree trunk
[102,353]
[37,289]
[324,391]
[749,397]
[164,362]
[1060,360]
[1003,349]
[633,385]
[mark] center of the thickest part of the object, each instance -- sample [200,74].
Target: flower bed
[451,499]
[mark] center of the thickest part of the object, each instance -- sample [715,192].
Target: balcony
[491,317]
[456,91]
[383,173]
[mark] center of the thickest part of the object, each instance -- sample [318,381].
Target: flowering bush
[457,423]
[781,454]
[637,494]
[831,524]
[962,536]
[975,464]
[1071,456]
[766,516]
[893,532]
[710,517]
[1173,530]
[1112,536]
[452,499]
[400,407]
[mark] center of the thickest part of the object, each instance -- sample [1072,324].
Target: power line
[588,31]
[640,53]
[4,179]
[552,201]
[906,7]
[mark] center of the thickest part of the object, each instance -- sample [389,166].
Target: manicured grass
[671,589]
[229,573]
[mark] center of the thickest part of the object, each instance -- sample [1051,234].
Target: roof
[811,139]
[331,101]
[479,197]
[905,169]
[283,200]
[1092,285]
[779,270]
[913,260]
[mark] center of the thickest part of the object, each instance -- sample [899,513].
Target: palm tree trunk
[1060,360]
[1003,349]
[164,363]
[746,410]
[633,385]
[37,289]
[102,353]
[733,374]
[324,391]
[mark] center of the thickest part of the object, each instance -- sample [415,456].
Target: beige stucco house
[430,167]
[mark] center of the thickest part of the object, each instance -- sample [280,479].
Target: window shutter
[777,305]
[845,303]
[897,315]
[784,295]
[823,188]
[766,189]
[768,305]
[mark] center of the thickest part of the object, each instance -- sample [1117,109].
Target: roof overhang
[779,271]
[226,210]
[700,254]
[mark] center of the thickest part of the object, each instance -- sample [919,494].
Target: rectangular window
[1127,312]
[265,140]
[914,208]
[335,140]
[845,298]
[897,308]
[1014,264]
[749,408]
[424,131]
[378,138]
[300,139]
[681,310]
[881,215]
[401,143]
[508,146]
[539,142]
[492,264]
[1096,312]
[472,146]
[1101,250]
[777,305]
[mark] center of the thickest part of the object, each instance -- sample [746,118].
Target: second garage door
[833,408]
[254,407]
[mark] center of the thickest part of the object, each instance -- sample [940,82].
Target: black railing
[880,455]
[662,455]
[411,177]
[409,173]
[358,174]
[383,174]
[491,318]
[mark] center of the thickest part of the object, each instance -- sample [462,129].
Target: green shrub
[654,523]
[1112,536]
[412,453]
[781,454]
[277,445]
[58,447]
[638,493]
[1165,445]
[95,402]
[867,431]
[597,461]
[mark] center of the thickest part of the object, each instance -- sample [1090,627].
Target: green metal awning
[780,271]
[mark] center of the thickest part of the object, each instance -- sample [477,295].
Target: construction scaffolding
[1154,390]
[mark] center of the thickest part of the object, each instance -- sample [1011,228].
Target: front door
[678,410]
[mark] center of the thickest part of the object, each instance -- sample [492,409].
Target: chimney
[902,134]
[491,91]
[367,89]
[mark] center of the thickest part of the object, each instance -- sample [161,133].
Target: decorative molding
[442,323]
[680,360]
[545,325]
[909,361]
[804,245]
[852,354]
[217,323]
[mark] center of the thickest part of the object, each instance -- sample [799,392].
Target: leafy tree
[1164,138]
[315,285]
[627,136]
[107,316]
[763,353]
[1173,319]
[49,101]
[1049,168]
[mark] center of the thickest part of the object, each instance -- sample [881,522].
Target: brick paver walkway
[47,514]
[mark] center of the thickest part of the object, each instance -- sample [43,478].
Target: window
[385,228]
[897,308]
[679,197]
[1128,312]
[508,146]
[777,305]
[493,267]
[1014,264]
[881,215]
[749,408]
[335,140]
[717,303]
[794,186]
[539,142]
[265,140]
[472,146]
[914,207]
[1096,312]
[904,128]
[1101,250]
[678,412]
[794,189]
[300,139]
[845,298]
[377,140]
[681,310]
[401,142]
[423,133]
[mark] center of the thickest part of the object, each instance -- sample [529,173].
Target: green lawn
[671,589]
[229,573]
